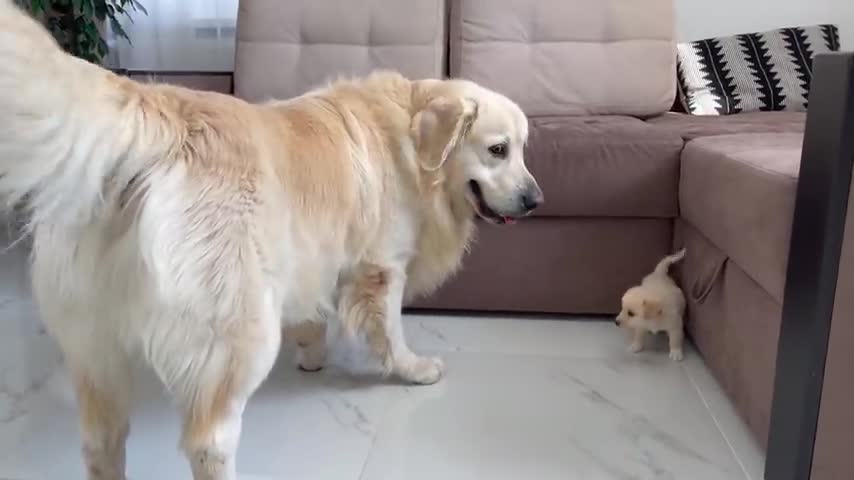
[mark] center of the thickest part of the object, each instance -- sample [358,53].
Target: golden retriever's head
[477,137]
[641,309]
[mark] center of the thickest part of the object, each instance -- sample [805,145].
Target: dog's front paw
[424,371]
[311,359]
[677,355]
[635,348]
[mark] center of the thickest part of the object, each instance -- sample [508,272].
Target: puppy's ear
[440,127]
[652,308]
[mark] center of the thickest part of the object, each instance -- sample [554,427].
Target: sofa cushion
[694,126]
[607,166]
[739,191]
[569,57]
[287,48]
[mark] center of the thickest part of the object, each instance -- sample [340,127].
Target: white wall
[698,19]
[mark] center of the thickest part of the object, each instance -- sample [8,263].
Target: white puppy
[656,305]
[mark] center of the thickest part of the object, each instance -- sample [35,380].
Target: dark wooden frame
[816,245]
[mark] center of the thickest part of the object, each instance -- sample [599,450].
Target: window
[178,36]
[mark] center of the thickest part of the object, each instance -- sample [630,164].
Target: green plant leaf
[74,23]
[138,6]
[37,6]
[91,31]
[100,10]
[120,31]
[124,10]
[102,48]
[87,9]
[53,24]
[124,7]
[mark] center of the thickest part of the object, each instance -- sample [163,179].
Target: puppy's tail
[68,128]
[664,265]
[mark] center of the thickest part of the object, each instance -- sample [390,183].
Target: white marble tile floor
[522,399]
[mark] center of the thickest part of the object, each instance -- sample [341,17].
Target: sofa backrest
[287,47]
[568,57]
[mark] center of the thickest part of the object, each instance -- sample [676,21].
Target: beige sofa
[625,180]
[610,218]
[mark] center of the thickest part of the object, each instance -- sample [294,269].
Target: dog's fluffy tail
[68,128]
[664,265]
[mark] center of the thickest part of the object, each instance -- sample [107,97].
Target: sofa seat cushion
[739,191]
[695,126]
[607,166]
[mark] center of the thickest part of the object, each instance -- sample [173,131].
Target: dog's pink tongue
[509,220]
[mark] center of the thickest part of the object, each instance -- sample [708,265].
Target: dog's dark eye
[631,313]
[498,150]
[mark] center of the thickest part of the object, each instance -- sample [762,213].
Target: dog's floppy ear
[652,308]
[439,127]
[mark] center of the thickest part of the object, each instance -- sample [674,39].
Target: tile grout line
[729,444]
[374,438]
[364,469]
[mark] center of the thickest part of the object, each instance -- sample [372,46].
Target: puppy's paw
[677,355]
[635,348]
[424,371]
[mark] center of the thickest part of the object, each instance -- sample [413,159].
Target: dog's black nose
[532,199]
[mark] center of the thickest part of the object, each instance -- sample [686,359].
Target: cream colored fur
[656,305]
[184,230]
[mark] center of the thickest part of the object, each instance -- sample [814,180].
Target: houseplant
[79,25]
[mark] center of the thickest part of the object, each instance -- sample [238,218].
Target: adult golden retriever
[184,229]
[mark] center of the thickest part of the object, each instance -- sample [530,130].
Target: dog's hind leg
[214,396]
[371,302]
[309,337]
[103,399]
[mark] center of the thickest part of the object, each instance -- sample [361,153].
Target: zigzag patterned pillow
[752,72]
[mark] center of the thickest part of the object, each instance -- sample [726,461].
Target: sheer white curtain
[178,35]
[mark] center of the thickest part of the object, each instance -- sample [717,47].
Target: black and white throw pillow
[752,72]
